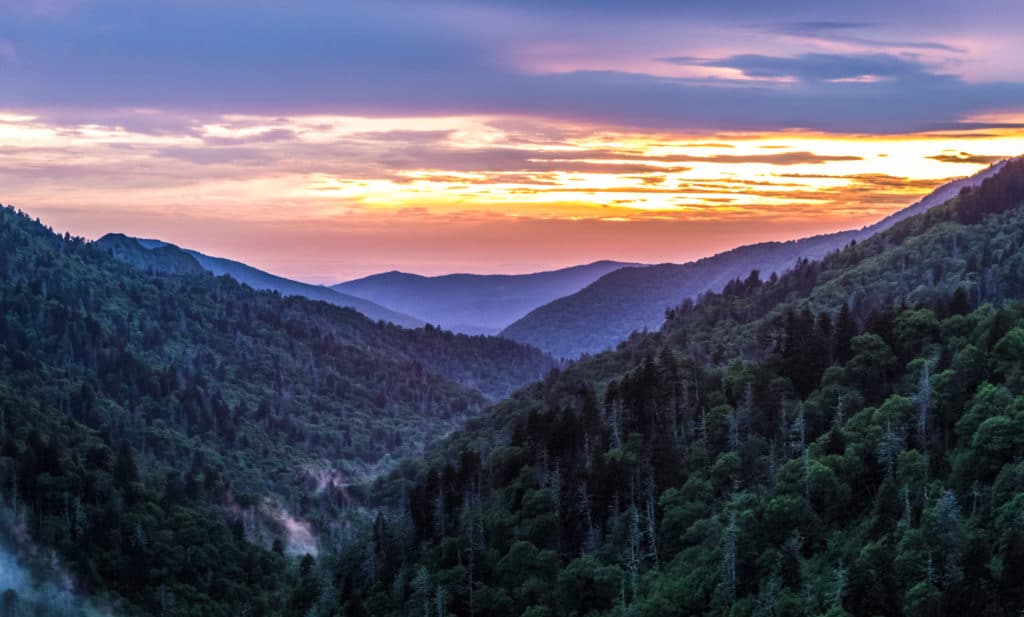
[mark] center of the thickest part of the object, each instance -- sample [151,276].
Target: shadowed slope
[604,313]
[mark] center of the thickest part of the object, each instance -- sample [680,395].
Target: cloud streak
[816,67]
[852,32]
[966,157]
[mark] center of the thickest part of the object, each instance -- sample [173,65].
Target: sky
[325,139]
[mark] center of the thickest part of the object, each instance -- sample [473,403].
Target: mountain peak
[166,259]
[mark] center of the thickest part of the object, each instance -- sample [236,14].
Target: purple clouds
[840,69]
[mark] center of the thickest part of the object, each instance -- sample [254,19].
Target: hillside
[842,440]
[160,252]
[604,313]
[163,258]
[172,436]
[474,303]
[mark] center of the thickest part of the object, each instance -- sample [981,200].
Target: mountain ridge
[258,279]
[474,303]
[605,312]
[840,440]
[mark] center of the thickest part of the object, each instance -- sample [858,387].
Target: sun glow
[351,173]
[720,175]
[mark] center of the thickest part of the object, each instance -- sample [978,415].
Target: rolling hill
[474,303]
[604,313]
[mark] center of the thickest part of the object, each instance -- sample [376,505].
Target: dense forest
[172,435]
[845,439]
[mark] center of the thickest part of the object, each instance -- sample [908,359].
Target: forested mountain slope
[163,257]
[845,439]
[474,303]
[494,367]
[160,430]
[604,313]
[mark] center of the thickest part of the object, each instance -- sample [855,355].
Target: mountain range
[841,439]
[464,303]
[567,313]
[604,313]
[165,257]
[167,432]
[474,303]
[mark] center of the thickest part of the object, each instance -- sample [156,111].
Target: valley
[449,308]
[182,441]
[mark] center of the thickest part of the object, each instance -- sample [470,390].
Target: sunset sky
[325,140]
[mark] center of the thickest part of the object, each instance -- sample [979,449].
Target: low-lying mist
[33,583]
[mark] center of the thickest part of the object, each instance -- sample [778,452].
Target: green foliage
[162,428]
[842,440]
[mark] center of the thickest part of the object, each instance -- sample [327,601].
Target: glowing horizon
[329,140]
[469,173]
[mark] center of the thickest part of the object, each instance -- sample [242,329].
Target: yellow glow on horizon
[672,182]
[321,166]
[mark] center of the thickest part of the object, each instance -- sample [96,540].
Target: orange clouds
[440,194]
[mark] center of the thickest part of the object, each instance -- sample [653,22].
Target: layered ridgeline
[474,303]
[494,367]
[160,256]
[161,428]
[604,313]
[845,439]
